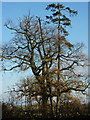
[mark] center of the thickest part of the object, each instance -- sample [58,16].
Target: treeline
[67,110]
[22,104]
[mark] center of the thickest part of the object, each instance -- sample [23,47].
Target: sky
[78,32]
[45,0]
[14,10]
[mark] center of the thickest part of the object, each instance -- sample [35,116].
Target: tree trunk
[51,106]
[58,72]
[44,103]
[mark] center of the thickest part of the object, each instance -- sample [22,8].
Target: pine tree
[62,21]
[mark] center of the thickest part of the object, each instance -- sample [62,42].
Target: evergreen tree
[58,17]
